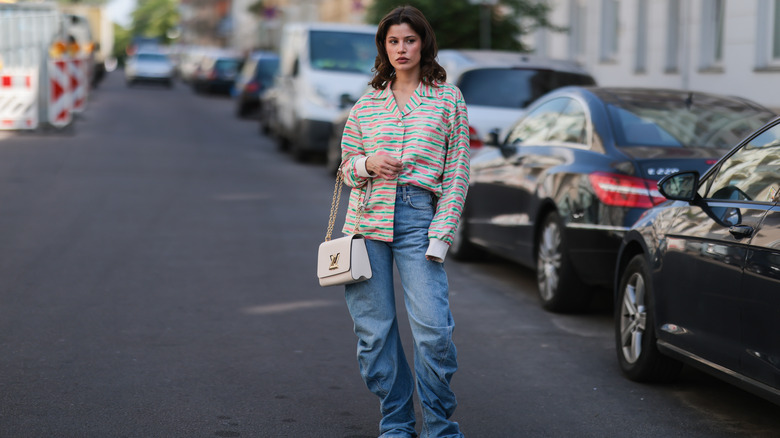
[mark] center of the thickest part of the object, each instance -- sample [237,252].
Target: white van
[324,68]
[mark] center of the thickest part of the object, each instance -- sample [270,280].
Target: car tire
[333,157]
[560,288]
[635,338]
[461,247]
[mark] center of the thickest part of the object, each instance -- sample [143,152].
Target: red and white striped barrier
[79,83]
[60,94]
[18,98]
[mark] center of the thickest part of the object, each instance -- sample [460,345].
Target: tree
[457,25]
[156,19]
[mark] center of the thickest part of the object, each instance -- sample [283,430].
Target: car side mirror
[492,138]
[346,101]
[680,186]
[508,149]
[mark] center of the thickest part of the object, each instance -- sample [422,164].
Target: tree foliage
[155,18]
[457,25]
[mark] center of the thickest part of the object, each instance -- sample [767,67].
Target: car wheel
[635,338]
[333,158]
[560,289]
[461,247]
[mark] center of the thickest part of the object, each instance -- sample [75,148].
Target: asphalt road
[157,279]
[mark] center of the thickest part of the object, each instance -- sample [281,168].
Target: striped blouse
[430,137]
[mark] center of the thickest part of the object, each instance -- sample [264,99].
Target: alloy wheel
[633,318]
[549,261]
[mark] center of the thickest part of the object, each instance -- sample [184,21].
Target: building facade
[721,46]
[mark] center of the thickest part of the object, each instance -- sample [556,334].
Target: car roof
[459,60]
[361,28]
[624,95]
[262,54]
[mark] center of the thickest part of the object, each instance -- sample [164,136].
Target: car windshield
[227,66]
[266,69]
[152,57]
[513,88]
[692,120]
[343,51]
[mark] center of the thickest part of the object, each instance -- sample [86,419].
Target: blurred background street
[158,280]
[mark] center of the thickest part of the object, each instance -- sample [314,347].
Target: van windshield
[342,51]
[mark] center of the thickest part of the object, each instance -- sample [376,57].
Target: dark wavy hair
[430,70]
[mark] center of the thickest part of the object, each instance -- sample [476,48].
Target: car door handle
[741,231]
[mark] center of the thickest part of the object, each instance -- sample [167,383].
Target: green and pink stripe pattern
[430,137]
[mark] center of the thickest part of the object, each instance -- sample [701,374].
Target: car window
[570,126]
[513,88]
[266,69]
[752,173]
[153,57]
[342,51]
[535,126]
[692,120]
[227,66]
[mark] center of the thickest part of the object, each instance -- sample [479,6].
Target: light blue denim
[371,303]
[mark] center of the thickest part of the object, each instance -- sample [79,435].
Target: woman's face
[404,47]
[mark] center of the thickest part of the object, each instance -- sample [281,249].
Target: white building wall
[740,72]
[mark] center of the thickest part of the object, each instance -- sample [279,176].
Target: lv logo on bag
[334,261]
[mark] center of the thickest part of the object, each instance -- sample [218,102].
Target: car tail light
[252,87]
[625,191]
[213,74]
[474,141]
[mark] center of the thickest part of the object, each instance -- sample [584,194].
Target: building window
[577,34]
[641,37]
[768,38]
[712,34]
[673,40]
[609,30]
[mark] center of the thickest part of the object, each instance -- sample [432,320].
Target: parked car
[149,67]
[498,85]
[323,68]
[580,168]
[698,277]
[256,76]
[217,72]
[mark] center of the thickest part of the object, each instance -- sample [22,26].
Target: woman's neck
[406,79]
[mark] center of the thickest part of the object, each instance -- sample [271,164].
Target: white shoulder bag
[344,260]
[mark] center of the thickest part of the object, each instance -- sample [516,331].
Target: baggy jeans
[371,303]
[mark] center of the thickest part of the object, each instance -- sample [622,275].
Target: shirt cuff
[437,249]
[360,167]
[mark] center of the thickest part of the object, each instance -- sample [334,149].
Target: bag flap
[334,256]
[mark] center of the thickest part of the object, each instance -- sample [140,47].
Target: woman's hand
[384,166]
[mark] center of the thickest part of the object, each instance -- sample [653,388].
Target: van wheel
[560,289]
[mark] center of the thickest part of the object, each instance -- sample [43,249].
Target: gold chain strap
[334,206]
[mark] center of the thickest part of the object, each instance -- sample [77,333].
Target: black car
[698,278]
[255,78]
[580,168]
[216,73]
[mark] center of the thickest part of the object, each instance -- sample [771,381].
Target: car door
[500,195]
[760,288]
[708,245]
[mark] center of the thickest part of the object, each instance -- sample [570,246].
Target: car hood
[657,162]
[332,85]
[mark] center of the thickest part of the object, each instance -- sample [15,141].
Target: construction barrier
[18,98]
[45,75]
[60,97]
[78,70]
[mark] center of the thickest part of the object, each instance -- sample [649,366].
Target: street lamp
[484,27]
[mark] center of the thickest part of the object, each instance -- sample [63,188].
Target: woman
[410,138]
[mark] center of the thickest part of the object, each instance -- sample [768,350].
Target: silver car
[149,67]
